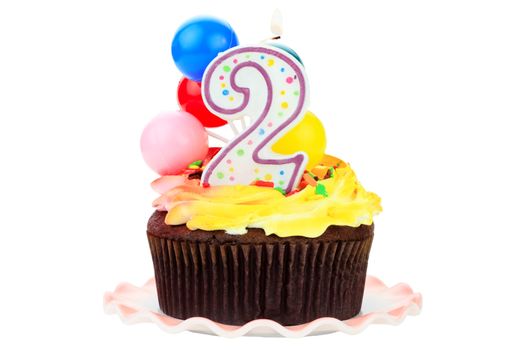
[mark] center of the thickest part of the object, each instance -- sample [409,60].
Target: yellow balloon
[308,136]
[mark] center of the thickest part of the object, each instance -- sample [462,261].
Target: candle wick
[276,37]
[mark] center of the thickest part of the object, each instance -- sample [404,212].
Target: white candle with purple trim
[269,86]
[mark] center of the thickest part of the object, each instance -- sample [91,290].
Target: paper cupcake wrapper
[291,283]
[381,305]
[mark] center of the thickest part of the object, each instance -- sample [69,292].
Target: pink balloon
[172,141]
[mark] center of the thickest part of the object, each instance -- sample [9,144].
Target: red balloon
[190,100]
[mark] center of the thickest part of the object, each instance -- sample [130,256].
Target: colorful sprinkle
[294,191]
[283,92]
[281,172]
[240,152]
[220,175]
[226,69]
[284,105]
[283,192]
[268,177]
[282,69]
[250,142]
[256,170]
[309,180]
[280,114]
[231,170]
[221,77]
[296,93]
[270,62]
[231,98]
[225,92]
[270,124]
[247,56]
[261,131]
[229,161]
[320,171]
[321,189]
[235,61]
[262,57]
[223,85]
[263,183]
[289,80]
[232,178]
[281,182]
[302,184]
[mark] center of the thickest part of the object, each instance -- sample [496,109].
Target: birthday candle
[269,86]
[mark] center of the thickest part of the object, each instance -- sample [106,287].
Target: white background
[425,99]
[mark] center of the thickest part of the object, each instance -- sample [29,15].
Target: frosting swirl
[308,213]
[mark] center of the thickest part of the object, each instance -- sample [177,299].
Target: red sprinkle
[292,192]
[263,183]
[302,184]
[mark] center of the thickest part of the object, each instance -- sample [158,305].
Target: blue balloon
[289,50]
[198,41]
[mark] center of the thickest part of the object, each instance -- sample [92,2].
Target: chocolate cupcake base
[234,279]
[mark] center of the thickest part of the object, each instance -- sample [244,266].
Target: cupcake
[267,226]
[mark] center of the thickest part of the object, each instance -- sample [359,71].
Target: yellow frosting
[236,208]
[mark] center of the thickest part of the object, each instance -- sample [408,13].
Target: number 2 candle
[269,86]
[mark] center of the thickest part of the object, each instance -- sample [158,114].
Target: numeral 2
[270,87]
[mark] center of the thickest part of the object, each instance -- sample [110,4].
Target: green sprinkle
[280,114]
[247,56]
[226,69]
[257,178]
[332,171]
[320,189]
[220,175]
[196,163]
[240,152]
[281,182]
[283,192]
[296,93]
